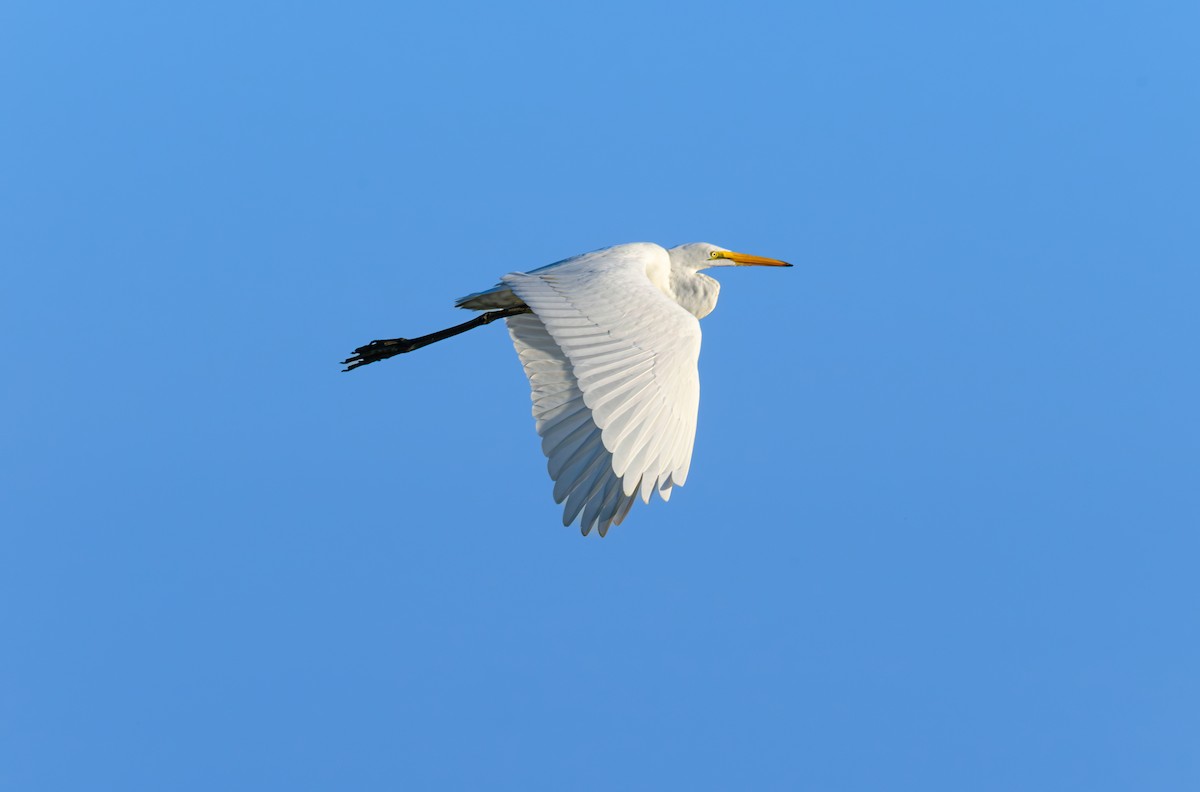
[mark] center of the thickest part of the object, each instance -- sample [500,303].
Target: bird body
[674,272]
[609,341]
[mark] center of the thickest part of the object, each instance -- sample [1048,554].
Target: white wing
[578,461]
[612,365]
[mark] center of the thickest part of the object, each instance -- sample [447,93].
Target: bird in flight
[610,342]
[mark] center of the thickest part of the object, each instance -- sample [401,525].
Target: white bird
[610,342]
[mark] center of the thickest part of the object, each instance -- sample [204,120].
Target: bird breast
[697,293]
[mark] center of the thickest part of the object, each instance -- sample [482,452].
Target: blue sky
[940,531]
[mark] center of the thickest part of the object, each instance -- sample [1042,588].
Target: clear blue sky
[942,527]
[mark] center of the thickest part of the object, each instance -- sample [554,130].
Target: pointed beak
[746,260]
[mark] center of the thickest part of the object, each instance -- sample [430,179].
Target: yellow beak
[746,260]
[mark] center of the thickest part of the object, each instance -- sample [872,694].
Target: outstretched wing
[579,464]
[612,365]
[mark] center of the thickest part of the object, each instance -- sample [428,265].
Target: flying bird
[610,342]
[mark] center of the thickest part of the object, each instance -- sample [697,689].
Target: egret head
[696,256]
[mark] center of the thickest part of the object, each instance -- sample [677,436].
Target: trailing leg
[388,347]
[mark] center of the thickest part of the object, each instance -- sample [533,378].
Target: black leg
[386,348]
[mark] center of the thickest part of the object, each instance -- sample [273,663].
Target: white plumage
[610,342]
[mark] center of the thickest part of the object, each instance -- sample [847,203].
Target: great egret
[609,341]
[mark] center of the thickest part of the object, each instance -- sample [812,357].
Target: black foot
[378,350]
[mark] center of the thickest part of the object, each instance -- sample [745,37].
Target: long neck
[695,292]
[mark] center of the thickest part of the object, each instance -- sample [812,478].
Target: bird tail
[499,296]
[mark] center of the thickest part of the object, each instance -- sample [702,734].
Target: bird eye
[713,255]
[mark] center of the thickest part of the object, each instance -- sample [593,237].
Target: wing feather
[568,431]
[612,357]
[604,504]
[576,457]
[573,468]
[588,489]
